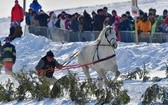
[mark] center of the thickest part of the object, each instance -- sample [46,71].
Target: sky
[31,48]
[6,5]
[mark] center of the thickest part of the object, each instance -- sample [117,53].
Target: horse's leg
[86,72]
[117,73]
[102,78]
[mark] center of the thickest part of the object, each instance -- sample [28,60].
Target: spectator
[115,25]
[29,16]
[57,24]
[105,10]
[94,15]
[151,17]
[165,12]
[99,20]
[63,20]
[43,18]
[12,28]
[8,56]
[164,26]
[35,21]
[16,31]
[152,11]
[144,25]
[67,21]
[74,25]
[46,66]
[141,14]
[129,16]
[76,15]
[125,23]
[112,18]
[159,22]
[87,25]
[81,22]
[52,20]
[17,13]
[34,24]
[106,22]
[35,6]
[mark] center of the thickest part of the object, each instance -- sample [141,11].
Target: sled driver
[46,65]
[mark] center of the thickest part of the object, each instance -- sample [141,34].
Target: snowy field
[31,48]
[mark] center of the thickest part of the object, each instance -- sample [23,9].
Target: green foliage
[113,94]
[123,97]
[81,92]
[28,84]
[152,94]
[75,92]
[42,90]
[165,96]
[7,92]
[32,87]
[156,79]
[64,81]
[155,95]
[88,87]
[2,91]
[56,91]
[145,78]
[138,73]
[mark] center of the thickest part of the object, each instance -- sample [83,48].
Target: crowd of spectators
[80,22]
[95,21]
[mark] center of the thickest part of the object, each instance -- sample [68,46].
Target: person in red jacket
[17,13]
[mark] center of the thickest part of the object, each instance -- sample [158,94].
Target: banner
[134,8]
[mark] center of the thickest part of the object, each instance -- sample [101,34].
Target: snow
[31,48]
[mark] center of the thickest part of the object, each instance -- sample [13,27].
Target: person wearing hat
[8,54]
[17,13]
[46,65]
[35,6]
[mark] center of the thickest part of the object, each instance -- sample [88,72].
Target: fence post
[136,31]
[135,13]
[24,6]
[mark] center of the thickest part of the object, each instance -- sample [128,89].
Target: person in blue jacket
[35,6]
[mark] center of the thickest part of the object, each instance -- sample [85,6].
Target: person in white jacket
[53,19]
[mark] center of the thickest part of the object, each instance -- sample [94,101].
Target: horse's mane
[102,34]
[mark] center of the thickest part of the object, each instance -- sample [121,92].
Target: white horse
[102,54]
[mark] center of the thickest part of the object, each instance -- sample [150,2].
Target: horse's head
[110,36]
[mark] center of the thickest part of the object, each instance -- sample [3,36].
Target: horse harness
[99,44]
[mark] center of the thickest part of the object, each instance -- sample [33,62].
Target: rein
[78,65]
[94,62]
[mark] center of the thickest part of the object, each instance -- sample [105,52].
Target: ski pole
[68,60]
